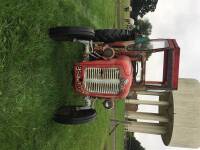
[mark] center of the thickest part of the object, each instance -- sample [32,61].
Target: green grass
[119,131]
[122,14]
[35,74]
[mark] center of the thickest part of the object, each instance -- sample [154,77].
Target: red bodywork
[170,63]
[126,57]
[123,63]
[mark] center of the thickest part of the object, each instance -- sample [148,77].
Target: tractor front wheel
[74,115]
[70,33]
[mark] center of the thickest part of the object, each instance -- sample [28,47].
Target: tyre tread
[112,35]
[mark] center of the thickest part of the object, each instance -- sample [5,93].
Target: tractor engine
[109,79]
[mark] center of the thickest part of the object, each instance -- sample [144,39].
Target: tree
[141,7]
[133,144]
[143,27]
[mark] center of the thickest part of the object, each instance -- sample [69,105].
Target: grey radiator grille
[102,80]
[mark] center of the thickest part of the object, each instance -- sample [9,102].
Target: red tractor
[114,67]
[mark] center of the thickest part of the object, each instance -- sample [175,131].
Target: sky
[178,19]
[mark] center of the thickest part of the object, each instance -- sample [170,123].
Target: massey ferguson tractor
[114,67]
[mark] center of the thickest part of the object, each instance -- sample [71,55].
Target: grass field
[120,129]
[35,74]
[121,13]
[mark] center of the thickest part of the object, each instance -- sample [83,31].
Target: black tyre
[70,115]
[69,33]
[112,35]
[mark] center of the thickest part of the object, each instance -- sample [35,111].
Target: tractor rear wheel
[72,115]
[70,33]
[113,35]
